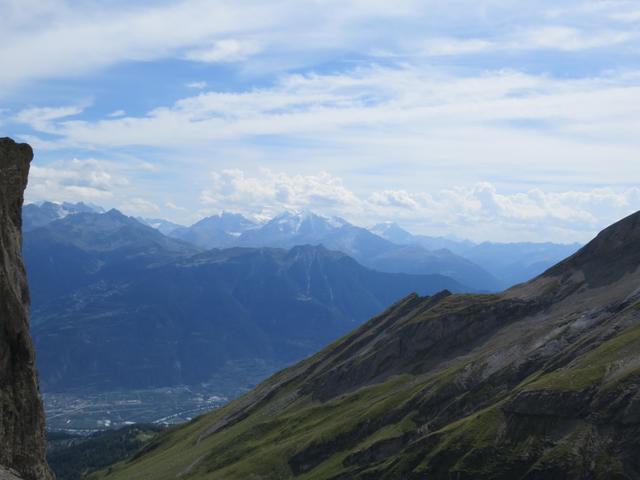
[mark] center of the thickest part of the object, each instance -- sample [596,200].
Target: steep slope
[21,418]
[182,321]
[539,382]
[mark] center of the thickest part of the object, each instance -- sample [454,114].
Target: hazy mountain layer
[373,251]
[119,305]
[218,231]
[510,263]
[538,382]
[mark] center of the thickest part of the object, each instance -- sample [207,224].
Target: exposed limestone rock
[22,438]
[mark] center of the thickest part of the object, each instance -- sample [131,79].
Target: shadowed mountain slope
[119,305]
[539,382]
[88,247]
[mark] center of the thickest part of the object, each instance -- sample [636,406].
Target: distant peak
[306,215]
[115,213]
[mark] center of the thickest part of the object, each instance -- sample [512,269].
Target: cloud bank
[488,119]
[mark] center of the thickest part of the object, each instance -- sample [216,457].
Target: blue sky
[488,119]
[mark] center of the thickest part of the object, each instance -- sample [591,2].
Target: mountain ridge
[387,247]
[525,384]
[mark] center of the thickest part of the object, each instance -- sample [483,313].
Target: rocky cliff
[21,417]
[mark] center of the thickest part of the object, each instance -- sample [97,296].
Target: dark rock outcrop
[22,441]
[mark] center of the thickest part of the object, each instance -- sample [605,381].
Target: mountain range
[117,304]
[540,381]
[373,251]
[37,215]
[487,266]
[385,247]
[511,263]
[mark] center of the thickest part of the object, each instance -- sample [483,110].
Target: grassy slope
[291,434]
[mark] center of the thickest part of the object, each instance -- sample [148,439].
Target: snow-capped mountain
[292,228]
[40,214]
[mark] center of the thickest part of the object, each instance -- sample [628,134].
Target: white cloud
[631,16]
[542,37]
[117,113]
[479,212]
[228,50]
[64,38]
[455,46]
[75,180]
[450,105]
[390,131]
[272,192]
[174,207]
[394,199]
[404,102]
[566,38]
[196,85]
[78,38]
[139,206]
[41,118]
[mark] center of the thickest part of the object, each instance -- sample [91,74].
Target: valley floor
[86,412]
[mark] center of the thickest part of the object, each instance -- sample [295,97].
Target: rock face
[21,417]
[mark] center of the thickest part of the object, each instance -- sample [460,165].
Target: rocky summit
[22,439]
[538,382]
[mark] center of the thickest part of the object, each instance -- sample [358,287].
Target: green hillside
[540,382]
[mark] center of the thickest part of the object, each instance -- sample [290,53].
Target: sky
[503,120]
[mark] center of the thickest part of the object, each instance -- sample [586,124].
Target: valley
[85,413]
